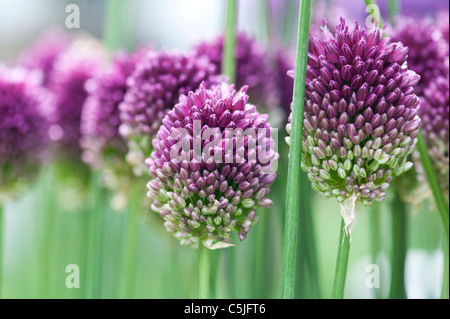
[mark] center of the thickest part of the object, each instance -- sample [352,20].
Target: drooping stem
[229,48]
[293,181]
[204,273]
[399,249]
[341,264]
[433,181]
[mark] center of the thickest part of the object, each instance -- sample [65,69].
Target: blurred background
[36,255]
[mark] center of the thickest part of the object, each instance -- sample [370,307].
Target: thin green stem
[229,48]
[94,257]
[341,264]
[393,10]
[204,273]
[289,16]
[399,249]
[293,181]
[445,279]
[376,12]
[307,266]
[1,248]
[433,181]
[375,237]
[112,36]
[129,253]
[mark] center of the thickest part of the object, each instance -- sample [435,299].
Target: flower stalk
[293,182]
[341,264]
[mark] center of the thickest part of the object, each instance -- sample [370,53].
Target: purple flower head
[24,125]
[428,49]
[443,24]
[211,166]
[43,54]
[100,122]
[153,89]
[252,68]
[72,70]
[434,111]
[360,120]
[284,63]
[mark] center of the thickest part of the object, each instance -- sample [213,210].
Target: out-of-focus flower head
[204,197]
[24,124]
[252,68]
[434,111]
[152,90]
[43,54]
[428,50]
[360,120]
[285,62]
[71,72]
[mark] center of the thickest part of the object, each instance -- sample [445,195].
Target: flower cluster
[101,141]
[44,53]
[427,46]
[152,90]
[360,120]
[71,72]
[201,200]
[434,111]
[252,68]
[24,124]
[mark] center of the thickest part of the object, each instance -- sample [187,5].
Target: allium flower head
[44,53]
[203,200]
[23,125]
[72,70]
[434,111]
[101,116]
[252,68]
[428,50]
[284,63]
[153,89]
[360,120]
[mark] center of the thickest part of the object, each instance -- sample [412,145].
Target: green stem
[290,8]
[94,257]
[376,13]
[307,269]
[1,248]
[113,28]
[445,282]
[229,48]
[129,253]
[375,237]
[433,181]
[399,242]
[393,10]
[293,182]
[204,273]
[341,264]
